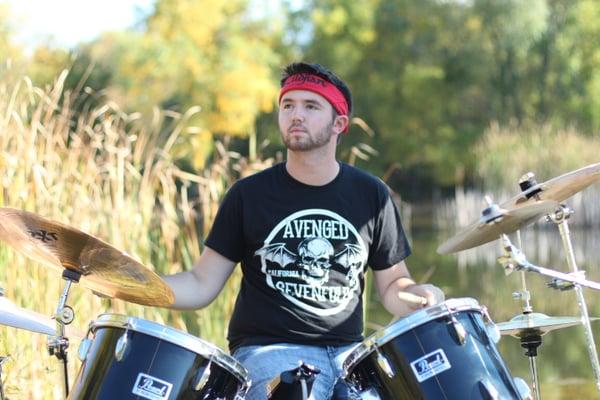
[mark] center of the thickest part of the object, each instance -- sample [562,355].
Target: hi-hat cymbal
[494,222]
[104,269]
[536,323]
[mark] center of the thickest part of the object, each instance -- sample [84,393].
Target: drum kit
[448,351]
[122,357]
[445,351]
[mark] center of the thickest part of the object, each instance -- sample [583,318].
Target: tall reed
[109,174]
[506,152]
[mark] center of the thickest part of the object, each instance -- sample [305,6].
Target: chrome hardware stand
[530,343]
[58,345]
[2,361]
[561,218]
[514,260]
[531,340]
[524,294]
[293,384]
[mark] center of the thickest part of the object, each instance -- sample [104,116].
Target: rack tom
[440,352]
[131,358]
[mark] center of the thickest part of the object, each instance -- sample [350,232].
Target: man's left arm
[393,282]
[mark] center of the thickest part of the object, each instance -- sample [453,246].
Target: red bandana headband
[316,84]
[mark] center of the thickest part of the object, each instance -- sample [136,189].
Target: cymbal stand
[58,345]
[561,218]
[530,341]
[2,361]
[514,260]
[524,294]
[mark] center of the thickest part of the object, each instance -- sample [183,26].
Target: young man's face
[306,120]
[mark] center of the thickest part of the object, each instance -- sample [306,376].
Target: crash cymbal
[536,323]
[105,270]
[557,189]
[494,222]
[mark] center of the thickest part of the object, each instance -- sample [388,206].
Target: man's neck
[312,169]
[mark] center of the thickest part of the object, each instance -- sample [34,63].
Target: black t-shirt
[304,251]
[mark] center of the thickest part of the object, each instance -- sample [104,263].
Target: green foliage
[341,29]
[428,76]
[418,90]
[512,24]
[433,74]
[208,54]
[410,78]
[46,64]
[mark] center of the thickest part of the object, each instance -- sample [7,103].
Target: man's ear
[340,123]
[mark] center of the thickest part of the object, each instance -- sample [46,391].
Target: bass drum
[440,352]
[131,358]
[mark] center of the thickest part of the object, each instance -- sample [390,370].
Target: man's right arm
[198,287]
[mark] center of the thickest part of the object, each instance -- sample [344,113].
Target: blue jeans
[266,362]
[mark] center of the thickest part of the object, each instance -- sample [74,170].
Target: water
[564,367]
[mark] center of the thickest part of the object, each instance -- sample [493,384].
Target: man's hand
[424,295]
[400,294]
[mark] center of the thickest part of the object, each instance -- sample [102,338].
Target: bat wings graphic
[279,254]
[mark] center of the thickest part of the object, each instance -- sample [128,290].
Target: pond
[564,367]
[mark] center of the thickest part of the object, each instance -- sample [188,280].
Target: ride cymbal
[557,189]
[494,222]
[537,323]
[522,209]
[104,269]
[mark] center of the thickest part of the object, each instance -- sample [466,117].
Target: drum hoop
[405,324]
[174,336]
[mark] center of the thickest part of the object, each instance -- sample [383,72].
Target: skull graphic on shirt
[324,244]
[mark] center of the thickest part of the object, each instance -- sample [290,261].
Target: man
[304,232]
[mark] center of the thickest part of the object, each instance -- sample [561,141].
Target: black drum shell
[473,364]
[101,376]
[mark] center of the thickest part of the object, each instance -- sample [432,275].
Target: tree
[210,54]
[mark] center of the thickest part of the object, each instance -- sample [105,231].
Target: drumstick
[412,298]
